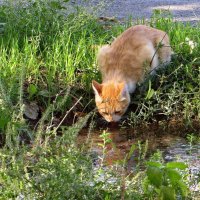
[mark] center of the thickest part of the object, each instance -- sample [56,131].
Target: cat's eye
[117,112]
[104,113]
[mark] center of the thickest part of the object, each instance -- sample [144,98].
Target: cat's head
[112,100]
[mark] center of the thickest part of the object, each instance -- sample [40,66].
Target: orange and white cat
[123,65]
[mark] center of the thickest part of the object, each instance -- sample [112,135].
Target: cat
[123,64]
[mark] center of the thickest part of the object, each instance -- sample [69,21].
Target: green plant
[192,139]
[165,180]
[106,140]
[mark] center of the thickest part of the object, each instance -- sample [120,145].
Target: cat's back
[129,51]
[139,35]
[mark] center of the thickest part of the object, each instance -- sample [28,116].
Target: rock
[31,110]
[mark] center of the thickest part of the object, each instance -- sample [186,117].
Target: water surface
[171,146]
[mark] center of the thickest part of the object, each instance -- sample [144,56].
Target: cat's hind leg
[154,63]
[164,50]
[162,54]
[149,54]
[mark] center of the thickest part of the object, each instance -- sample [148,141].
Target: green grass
[49,58]
[52,53]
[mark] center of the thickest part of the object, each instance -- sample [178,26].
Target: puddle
[173,148]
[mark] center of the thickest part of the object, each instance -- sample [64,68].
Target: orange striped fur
[123,64]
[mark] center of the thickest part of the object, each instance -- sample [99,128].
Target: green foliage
[166,180]
[32,90]
[192,139]
[4,119]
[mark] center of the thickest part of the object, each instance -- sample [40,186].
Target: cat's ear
[97,87]
[123,91]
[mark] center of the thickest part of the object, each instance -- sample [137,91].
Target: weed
[166,180]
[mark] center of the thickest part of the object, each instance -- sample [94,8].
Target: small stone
[31,110]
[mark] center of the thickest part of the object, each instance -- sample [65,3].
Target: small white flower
[191,43]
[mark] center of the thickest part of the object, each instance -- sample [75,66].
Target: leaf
[32,90]
[155,176]
[4,119]
[177,165]
[150,92]
[183,187]
[44,93]
[101,145]
[168,193]
[132,149]
[173,176]
[189,86]
[154,164]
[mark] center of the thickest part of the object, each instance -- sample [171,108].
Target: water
[173,148]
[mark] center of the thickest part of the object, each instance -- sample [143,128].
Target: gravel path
[182,10]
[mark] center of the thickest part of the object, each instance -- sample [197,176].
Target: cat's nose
[116,118]
[113,118]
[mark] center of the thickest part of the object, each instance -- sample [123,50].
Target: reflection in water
[173,148]
[123,139]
